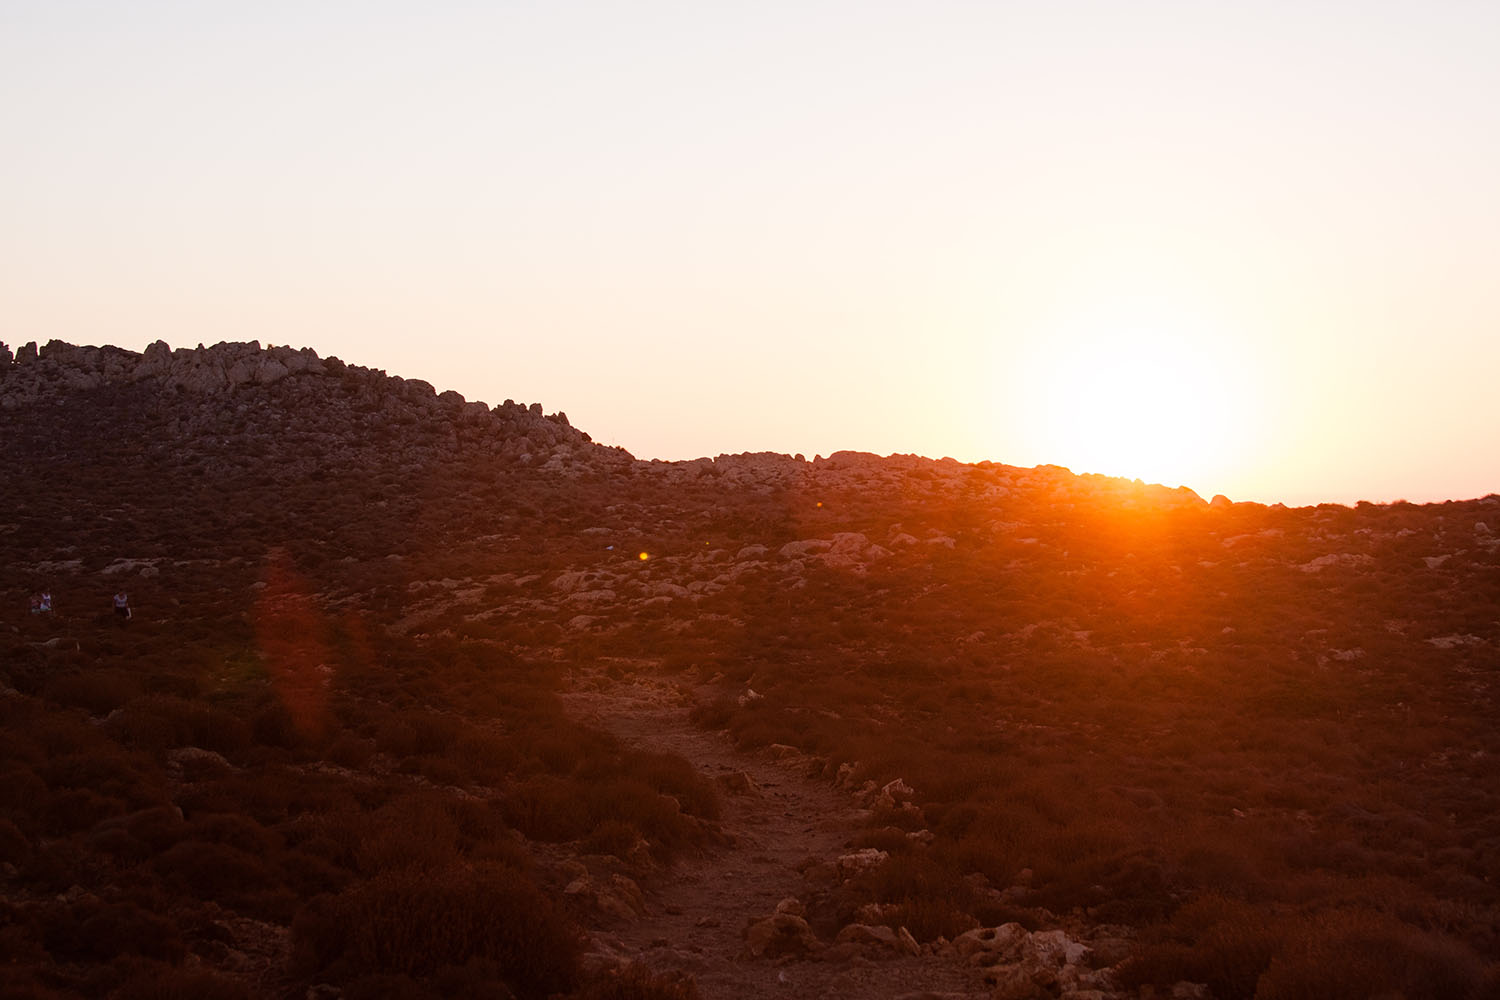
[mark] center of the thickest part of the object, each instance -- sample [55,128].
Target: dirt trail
[699,907]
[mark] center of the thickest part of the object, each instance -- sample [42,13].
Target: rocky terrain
[423,697]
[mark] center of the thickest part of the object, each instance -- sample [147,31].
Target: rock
[737,783]
[1336,559]
[1014,982]
[620,897]
[1053,949]
[875,913]
[807,546]
[987,945]
[778,935]
[1184,990]
[880,939]
[1107,951]
[821,874]
[858,862]
[1220,502]
[792,905]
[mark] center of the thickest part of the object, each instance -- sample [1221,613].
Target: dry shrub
[14,847]
[636,982]
[1352,955]
[350,751]
[98,692]
[415,923]
[890,839]
[548,809]
[23,984]
[413,831]
[676,777]
[166,983]
[929,919]
[611,837]
[1223,942]
[70,810]
[272,725]
[415,732]
[90,930]
[308,874]
[234,830]
[917,878]
[20,789]
[213,871]
[160,722]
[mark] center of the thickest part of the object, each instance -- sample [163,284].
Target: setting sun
[1140,393]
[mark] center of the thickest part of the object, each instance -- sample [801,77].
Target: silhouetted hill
[1242,746]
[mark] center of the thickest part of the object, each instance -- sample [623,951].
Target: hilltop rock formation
[248,397]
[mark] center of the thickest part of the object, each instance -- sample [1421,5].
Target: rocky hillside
[1037,734]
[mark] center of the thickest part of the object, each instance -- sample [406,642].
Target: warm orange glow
[1143,394]
[291,631]
[644,556]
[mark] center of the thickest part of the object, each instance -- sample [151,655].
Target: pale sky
[1252,248]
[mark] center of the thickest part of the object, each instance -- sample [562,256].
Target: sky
[1249,248]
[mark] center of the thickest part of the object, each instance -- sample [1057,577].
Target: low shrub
[70,810]
[98,692]
[158,722]
[213,871]
[1354,955]
[415,923]
[636,982]
[167,983]
[91,930]
[14,847]
[929,919]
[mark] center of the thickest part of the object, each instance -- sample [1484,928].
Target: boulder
[780,934]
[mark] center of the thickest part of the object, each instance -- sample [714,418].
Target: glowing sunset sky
[1253,248]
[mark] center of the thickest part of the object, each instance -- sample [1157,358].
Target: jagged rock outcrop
[246,398]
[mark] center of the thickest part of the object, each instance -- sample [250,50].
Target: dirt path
[700,906]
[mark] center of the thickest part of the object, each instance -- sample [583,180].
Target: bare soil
[699,906]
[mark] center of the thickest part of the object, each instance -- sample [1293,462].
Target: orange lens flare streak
[291,634]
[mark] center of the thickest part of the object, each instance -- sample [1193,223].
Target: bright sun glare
[1141,395]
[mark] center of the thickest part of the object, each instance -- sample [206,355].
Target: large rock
[880,939]
[988,945]
[781,934]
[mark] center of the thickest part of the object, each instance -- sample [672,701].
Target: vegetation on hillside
[329,746]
